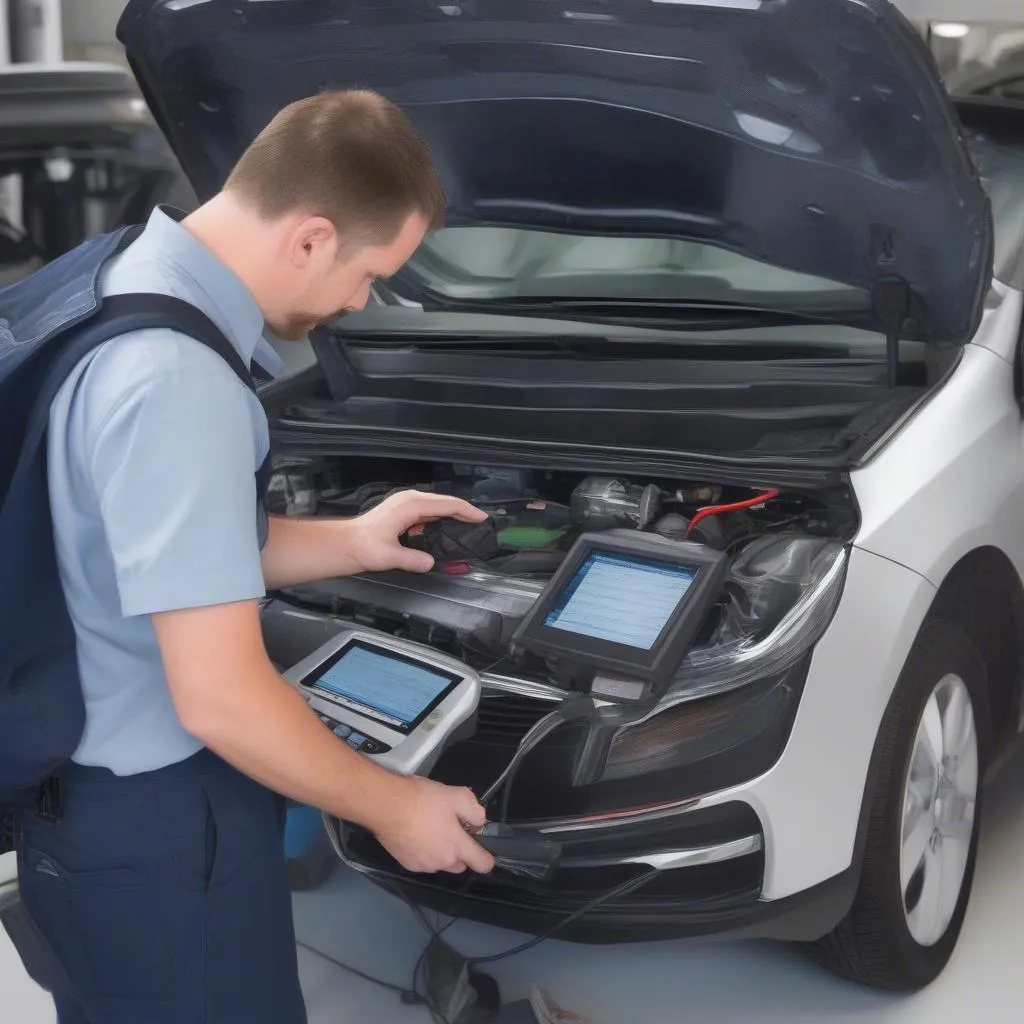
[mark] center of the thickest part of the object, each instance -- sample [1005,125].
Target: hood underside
[811,135]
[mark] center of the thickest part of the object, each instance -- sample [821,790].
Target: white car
[724,272]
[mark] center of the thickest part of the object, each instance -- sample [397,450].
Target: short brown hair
[350,156]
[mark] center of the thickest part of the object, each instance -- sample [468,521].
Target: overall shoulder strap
[122,314]
[117,316]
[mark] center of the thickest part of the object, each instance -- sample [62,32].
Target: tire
[890,939]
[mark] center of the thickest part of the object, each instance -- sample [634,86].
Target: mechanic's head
[338,190]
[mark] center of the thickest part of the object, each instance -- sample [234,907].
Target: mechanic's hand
[375,544]
[430,834]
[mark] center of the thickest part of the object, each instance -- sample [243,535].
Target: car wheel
[922,836]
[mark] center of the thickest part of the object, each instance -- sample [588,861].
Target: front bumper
[709,882]
[709,861]
[804,810]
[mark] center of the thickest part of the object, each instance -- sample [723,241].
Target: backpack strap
[140,311]
[119,315]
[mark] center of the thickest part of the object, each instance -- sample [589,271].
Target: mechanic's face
[335,278]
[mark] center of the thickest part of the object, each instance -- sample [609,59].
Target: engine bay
[777,546]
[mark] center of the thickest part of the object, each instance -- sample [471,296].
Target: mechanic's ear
[314,243]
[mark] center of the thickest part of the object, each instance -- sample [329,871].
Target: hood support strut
[892,300]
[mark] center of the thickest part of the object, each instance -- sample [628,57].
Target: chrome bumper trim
[672,860]
[616,819]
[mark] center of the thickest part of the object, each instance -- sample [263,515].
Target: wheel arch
[983,595]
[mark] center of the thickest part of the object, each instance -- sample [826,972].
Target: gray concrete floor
[666,983]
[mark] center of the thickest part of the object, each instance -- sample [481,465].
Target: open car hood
[812,135]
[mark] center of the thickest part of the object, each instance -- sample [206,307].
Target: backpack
[48,323]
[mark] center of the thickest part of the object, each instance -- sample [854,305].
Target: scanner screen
[396,691]
[622,599]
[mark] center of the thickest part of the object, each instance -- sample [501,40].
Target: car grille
[506,718]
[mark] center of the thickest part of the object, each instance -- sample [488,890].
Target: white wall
[36,31]
[89,29]
[962,10]
[5,39]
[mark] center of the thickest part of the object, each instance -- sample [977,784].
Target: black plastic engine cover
[481,609]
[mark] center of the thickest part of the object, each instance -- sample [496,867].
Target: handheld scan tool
[402,704]
[399,702]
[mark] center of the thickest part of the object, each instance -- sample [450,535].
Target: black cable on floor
[411,996]
[390,986]
[414,996]
[567,712]
[420,997]
[620,890]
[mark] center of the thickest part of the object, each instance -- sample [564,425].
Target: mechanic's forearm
[305,550]
[272,736]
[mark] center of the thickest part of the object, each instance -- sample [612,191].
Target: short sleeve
[172,466]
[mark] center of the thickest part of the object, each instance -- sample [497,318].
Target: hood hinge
[892,301]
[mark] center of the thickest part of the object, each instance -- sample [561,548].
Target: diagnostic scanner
[621,612]
[403,704]
[398,702]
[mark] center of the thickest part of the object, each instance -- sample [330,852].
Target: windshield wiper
[663,313]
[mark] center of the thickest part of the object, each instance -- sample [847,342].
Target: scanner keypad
[356,740]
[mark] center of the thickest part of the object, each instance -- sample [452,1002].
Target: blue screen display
[621,598]
[388,688]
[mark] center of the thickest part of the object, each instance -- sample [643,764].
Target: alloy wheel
[939,805]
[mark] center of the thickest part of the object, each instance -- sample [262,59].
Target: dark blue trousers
[164,896]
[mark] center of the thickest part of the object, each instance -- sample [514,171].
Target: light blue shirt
[153,445]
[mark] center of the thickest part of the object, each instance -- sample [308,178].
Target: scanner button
[372,746]
[342,731]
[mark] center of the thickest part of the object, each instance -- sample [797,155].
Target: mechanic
[163,887]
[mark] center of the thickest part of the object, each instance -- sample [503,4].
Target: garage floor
[655,984]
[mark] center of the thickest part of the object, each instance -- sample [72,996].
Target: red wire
[717,510]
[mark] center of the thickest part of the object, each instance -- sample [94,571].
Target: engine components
[450,540]
[293,490]
[672,526]
[602,503]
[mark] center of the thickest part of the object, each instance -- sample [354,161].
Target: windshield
[495,264]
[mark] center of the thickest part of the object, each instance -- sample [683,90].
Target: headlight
[780,596]
[746,678]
